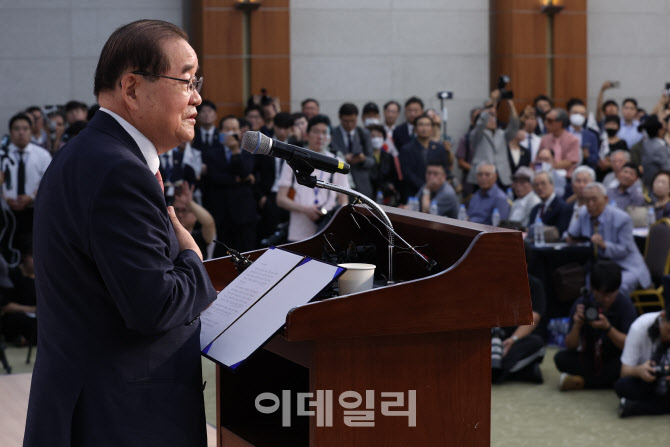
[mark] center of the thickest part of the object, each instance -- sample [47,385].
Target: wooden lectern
[429,332]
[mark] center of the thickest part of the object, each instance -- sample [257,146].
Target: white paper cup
[357,278]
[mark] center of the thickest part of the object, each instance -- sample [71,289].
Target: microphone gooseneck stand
[303,175]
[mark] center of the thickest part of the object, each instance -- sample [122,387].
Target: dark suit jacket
[199,144]
[413,164]
[117,362]
[361,145]
[524,160]
[401,135]
[557,214]
[230,202]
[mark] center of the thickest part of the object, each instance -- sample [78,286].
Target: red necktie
[160,180]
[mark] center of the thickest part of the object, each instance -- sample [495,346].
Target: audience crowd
[572,175]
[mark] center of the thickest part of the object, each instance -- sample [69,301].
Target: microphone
[257,143]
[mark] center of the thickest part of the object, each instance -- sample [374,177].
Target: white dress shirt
[36,160]
[146,147]
[521,208]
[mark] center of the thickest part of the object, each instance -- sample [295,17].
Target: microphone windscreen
[256,143]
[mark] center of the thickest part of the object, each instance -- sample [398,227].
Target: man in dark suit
[552,210]
[354,143]
[206,134]
[230,190]
[417,154]
[119,281]
[403,133]
[267,172]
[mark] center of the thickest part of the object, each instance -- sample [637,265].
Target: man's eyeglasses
[194,83]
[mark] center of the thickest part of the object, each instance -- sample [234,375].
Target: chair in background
[657,258]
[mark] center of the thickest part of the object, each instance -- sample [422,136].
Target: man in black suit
[120,282]
[552,210]
[403,133]
[354,143]
[229,184]
[206,135]
[416,155]
[267,172]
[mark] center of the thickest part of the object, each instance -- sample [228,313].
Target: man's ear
[129,85]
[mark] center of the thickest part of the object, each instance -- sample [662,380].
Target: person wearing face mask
[588,139]
[611,142]
[370,114]
[384,176]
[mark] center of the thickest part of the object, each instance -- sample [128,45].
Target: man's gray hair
[597,185]
[550,176]
[625,153]
[585,169]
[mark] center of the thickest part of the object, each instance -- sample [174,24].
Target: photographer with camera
[645,365]
[516,352]
[599,322]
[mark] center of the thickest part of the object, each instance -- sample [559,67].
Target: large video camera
[497,348]
[503,80]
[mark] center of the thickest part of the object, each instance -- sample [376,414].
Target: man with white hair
[552,210]
[526,199]
[488,197]
[610,230]
[582,176]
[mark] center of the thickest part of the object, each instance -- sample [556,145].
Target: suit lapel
[105,123]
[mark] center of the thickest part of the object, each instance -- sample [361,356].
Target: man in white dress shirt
[23,164]
[526,199]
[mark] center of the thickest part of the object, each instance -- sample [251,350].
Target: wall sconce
[550,8]
[247,5]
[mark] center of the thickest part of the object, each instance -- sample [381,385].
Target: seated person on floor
[645,365]
[599,322]
[18,298]
[610,230]
[522,348]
